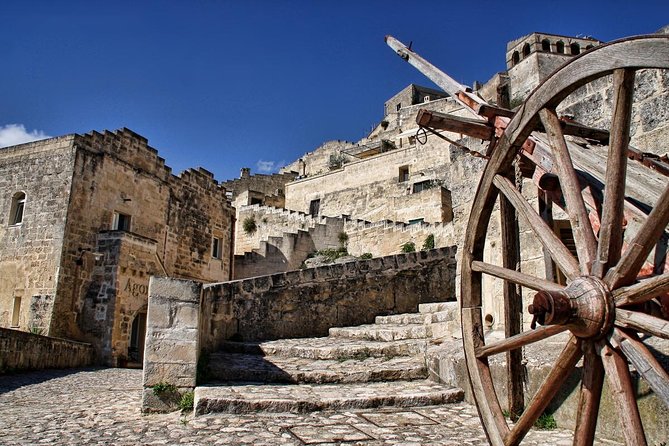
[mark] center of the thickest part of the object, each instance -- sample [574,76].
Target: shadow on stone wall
[306,303]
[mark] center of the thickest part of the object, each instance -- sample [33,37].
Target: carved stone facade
[100,214]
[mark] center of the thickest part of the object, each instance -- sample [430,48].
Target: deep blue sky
[226,84]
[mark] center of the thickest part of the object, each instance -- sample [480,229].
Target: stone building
[401,185]
[85,220]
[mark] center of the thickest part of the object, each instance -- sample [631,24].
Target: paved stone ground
[102,407]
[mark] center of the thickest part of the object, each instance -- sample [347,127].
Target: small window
[515,58]
[546,45]
[423,185]
[18,206]
[559,47]
[16,313]
[526,50]
[121,222]
[255,200]
[398,106]
[314,207]
[575,48]
[416,221]
[426,98]
[216,248]
[404,174]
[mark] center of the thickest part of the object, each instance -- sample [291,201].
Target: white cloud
[13,134]
[269,166]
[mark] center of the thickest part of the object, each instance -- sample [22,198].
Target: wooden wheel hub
[585,307]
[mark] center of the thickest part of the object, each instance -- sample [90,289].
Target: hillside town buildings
[85,220]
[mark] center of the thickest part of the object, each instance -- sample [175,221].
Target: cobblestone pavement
[102,407]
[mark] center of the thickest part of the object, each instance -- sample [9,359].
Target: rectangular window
[314,207]
[216,245]
[121,222]
[421,186]
[16,313]
[18,206]
[404,174]
[416,221]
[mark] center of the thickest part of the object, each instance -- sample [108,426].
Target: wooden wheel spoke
[584,236]
[591,392]
[558,252]
[611,230]
[519,340]
[632,260]
[623,395]
[564,365]
[643,291]
[517,277]
[645,363]
[642,322]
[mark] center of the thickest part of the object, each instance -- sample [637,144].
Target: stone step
[416,318]
[436,307]
[308,398]
[336,348]
[387,332]
[277,369]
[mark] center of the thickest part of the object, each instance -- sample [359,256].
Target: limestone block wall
[318,161]
[362,189]
[271,221]
[282,241]
[172,340]
[30,252]
[277,254]
[591,105]
[20,350]
[530,72]
[386,237]
[260,184]
[308,302]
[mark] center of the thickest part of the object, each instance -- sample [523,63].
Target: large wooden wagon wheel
[601,303]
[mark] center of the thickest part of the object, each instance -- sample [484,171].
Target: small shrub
[428,243]
[186,402]
[163,388]
[409,247]
[366,256]
[343,238]
[546,422]
[331,254]
[36,330]
[249,225]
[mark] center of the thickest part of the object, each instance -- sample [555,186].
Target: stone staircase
[381,364]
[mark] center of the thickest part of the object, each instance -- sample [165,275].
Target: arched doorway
[137,335]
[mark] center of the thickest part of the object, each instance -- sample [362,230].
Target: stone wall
[271,221]
[20,350]
[318,161]
[172,341]
[591,105]
[386,237]
[308,302]
[363,189]
[30,252]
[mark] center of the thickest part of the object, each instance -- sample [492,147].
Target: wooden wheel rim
[639,53]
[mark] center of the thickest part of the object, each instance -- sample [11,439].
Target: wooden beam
[455,124]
